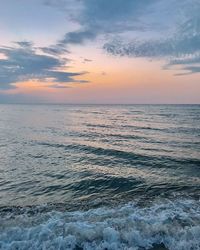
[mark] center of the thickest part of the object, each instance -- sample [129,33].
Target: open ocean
[100,177]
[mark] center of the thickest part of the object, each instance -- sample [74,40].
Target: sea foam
[174,225]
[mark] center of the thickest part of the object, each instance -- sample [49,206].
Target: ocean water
[100,177]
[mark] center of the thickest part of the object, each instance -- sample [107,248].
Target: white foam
[175,224]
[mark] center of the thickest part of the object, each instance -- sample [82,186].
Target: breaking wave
[172,225]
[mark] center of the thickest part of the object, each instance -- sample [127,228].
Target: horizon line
[111,104]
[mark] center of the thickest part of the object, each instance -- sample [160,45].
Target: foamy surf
[173,225]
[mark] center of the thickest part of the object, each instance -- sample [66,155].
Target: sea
[103,177]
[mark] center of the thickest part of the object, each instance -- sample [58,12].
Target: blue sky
[48,47]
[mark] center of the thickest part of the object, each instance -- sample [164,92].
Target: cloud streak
[23,62]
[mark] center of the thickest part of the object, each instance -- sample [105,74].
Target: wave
[131,157]
[166,225]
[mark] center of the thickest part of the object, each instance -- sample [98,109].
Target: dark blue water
[100,177]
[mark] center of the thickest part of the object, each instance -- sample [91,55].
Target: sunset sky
[99,51]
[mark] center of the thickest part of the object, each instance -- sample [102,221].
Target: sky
[100,51]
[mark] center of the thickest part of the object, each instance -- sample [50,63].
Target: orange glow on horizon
[114,80]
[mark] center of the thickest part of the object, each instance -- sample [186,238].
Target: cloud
[181,47]
[100,17]
[55,50]
[25,44]
[78,37]
[176,47]
[112,15]
[23,62]
[187,70]
[156,29]
[86,60]
[190,59]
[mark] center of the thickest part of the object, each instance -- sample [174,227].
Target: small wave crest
[129,156]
